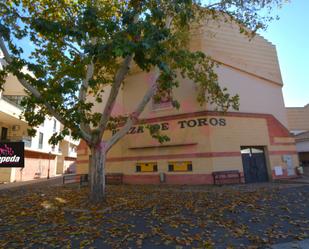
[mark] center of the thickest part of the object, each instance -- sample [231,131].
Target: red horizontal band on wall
[284,144]
[36,154]
[162,146]
[170,156]
[174,156]
[190,179]
[283,152]
[275,129]
[189,155]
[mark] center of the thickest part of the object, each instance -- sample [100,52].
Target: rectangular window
[179,166]
[55,126]
[27,141]
[146,167]
[162,99]
[4,133]
[41,140]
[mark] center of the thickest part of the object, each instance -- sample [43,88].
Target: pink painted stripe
[170,156]
[189,155]
[283,152]
[175,156]
[282,143]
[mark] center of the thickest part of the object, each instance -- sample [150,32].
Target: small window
[180,166]
[146,167]
[162,99]
[41,140]
[55,126]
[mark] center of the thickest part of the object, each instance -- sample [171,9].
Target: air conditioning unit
[15,128]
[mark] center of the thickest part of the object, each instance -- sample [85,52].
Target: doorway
[254,163]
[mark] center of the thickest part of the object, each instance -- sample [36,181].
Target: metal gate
[254,163]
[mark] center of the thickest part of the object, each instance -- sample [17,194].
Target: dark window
[41,140]
[146,167]
[189,167]
[180,166]
[162,99]
[170,167]
[55,125]
[4,133]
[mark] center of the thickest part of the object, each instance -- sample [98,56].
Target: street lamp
[48,165]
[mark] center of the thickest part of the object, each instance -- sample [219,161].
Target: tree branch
[121,73]
[80,53]
[133,118]
[36,93]
[119,77]
[84,87]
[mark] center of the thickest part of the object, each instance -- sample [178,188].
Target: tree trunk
[97,174]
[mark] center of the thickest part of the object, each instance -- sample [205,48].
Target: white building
[41,158]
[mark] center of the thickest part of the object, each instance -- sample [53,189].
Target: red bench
[114,178]
[72,178]
[227,176]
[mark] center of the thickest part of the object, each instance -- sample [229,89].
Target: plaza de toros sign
[181,124]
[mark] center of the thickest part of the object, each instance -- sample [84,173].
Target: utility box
[300,170]
[162,177]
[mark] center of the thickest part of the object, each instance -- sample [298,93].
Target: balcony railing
[14,99]
[27,140]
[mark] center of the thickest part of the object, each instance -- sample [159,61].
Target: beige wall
[210,148]
[249,68]
[13,87]
[5,174]
[256,95]
[298,118]
[225,44]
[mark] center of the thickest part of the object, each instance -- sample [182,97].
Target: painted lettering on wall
[182,124]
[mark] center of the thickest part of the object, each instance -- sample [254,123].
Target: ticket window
[180,166]
[146,167]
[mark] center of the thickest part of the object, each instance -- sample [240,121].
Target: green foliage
[155,133]
[66,36]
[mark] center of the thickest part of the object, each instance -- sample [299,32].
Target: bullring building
[253,140]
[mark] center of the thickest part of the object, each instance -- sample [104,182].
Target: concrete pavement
[304,244]
[300,180]
[38,182]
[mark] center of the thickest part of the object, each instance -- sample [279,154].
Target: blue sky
[290,34]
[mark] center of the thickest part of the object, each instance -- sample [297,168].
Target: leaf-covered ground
[246,216]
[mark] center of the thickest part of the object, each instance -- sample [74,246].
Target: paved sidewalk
[304,244]
[301,180]
[38,182]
